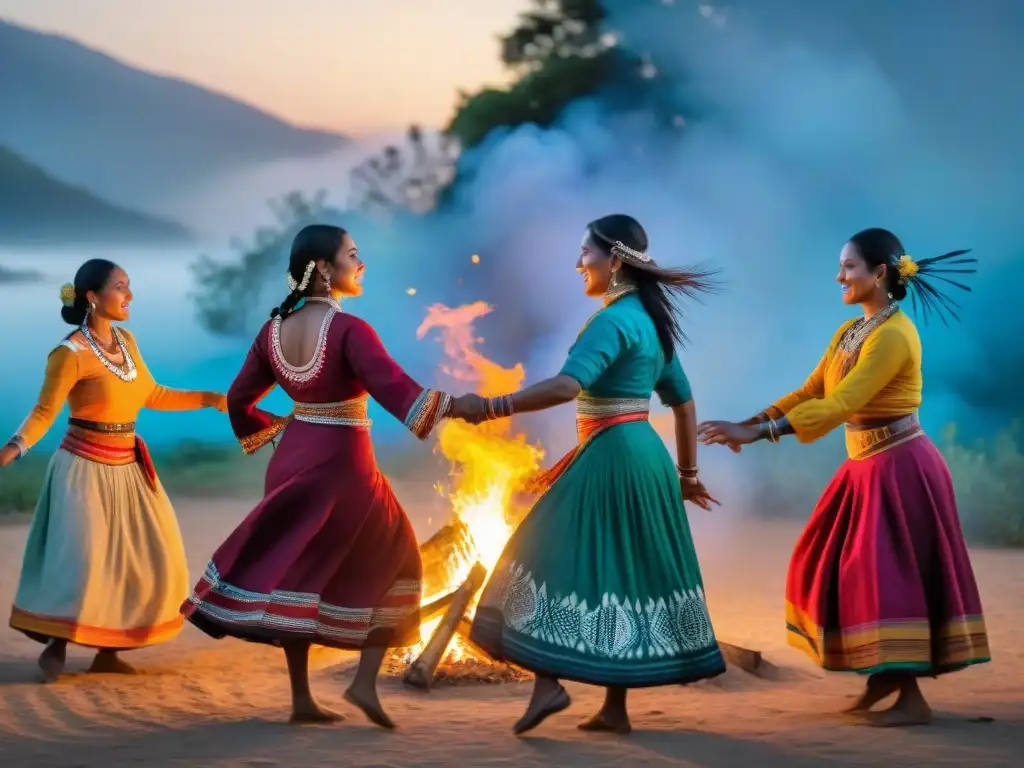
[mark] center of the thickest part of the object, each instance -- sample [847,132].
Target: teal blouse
[618,355]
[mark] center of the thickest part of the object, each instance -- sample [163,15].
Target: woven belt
[594,414]
[347,413]
[865,442]
[104,427]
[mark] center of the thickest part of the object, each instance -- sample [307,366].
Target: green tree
[227,289]
[558,54]
[400,178]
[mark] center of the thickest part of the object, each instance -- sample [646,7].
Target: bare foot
[608,722]
[51,660]
[875,691]
[107,663]
[910,709]
[541,708]
[370,706]
[898,718]
[311,712]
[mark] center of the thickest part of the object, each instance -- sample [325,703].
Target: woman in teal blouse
[600,584]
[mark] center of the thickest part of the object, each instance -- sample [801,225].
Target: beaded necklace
[125,372]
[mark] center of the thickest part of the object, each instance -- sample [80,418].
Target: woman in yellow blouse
[880,581]
[104,563]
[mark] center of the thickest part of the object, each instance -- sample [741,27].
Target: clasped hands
[470,408]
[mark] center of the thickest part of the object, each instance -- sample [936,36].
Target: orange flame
[490,464]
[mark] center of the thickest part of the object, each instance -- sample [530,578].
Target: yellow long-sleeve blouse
[74,374]
[884,383]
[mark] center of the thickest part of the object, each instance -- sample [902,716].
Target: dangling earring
[614,282]
[327,280]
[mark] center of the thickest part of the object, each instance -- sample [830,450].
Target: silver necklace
[326,300]
[126,372]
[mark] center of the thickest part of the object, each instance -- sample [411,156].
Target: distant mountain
[133,137]
[36,208]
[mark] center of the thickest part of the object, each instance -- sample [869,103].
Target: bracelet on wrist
[689,474]
[769,430]
[499,407]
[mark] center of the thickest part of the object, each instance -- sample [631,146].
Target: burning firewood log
[421,672]
[441,555]
[744,658]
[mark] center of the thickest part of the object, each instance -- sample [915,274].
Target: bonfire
[490,465]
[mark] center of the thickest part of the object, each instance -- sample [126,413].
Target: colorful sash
[114,456]
[594,415]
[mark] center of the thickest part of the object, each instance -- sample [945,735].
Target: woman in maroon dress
[328,557]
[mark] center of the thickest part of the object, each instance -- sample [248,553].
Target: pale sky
[356,66]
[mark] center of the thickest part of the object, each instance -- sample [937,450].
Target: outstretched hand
[727,433]
[695,492]
[8,454]
[218,401]
[469,407]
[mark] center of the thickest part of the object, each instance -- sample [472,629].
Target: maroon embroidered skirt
[328,556]
[880,579]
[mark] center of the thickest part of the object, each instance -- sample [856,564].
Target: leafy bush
[989,480]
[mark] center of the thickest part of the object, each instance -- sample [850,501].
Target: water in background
[177,350]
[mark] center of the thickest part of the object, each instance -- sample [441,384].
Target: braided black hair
[316,242]
[880,246]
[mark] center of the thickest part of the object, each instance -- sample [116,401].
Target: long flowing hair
[661,290]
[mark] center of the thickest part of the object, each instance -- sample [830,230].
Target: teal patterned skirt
[600,584]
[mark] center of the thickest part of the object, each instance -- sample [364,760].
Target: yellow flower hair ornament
[67,294]
[907,268]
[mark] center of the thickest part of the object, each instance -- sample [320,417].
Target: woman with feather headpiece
[880,581]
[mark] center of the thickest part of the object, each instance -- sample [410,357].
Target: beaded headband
[624,252]
[628,254]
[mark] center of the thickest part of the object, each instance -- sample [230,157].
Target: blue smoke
[813,123]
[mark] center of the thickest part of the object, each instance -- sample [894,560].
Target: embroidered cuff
[19,442]
[427,412]
[252,443]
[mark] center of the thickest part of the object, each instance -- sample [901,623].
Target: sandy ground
[199,702]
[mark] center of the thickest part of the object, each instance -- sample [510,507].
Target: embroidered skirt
[327,557]
[104,563]
[600,583]
[880,579]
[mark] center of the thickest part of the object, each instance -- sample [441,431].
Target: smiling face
[859,282]
[113,301]
[347,270]
[595,266]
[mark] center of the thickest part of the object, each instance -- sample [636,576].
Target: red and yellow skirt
[881,580]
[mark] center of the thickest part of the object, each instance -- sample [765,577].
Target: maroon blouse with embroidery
[349,362]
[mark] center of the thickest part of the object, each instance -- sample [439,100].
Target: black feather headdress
[920,278]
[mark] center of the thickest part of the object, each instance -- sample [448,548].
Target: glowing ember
[490,464]
[475,258]
[411,291]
